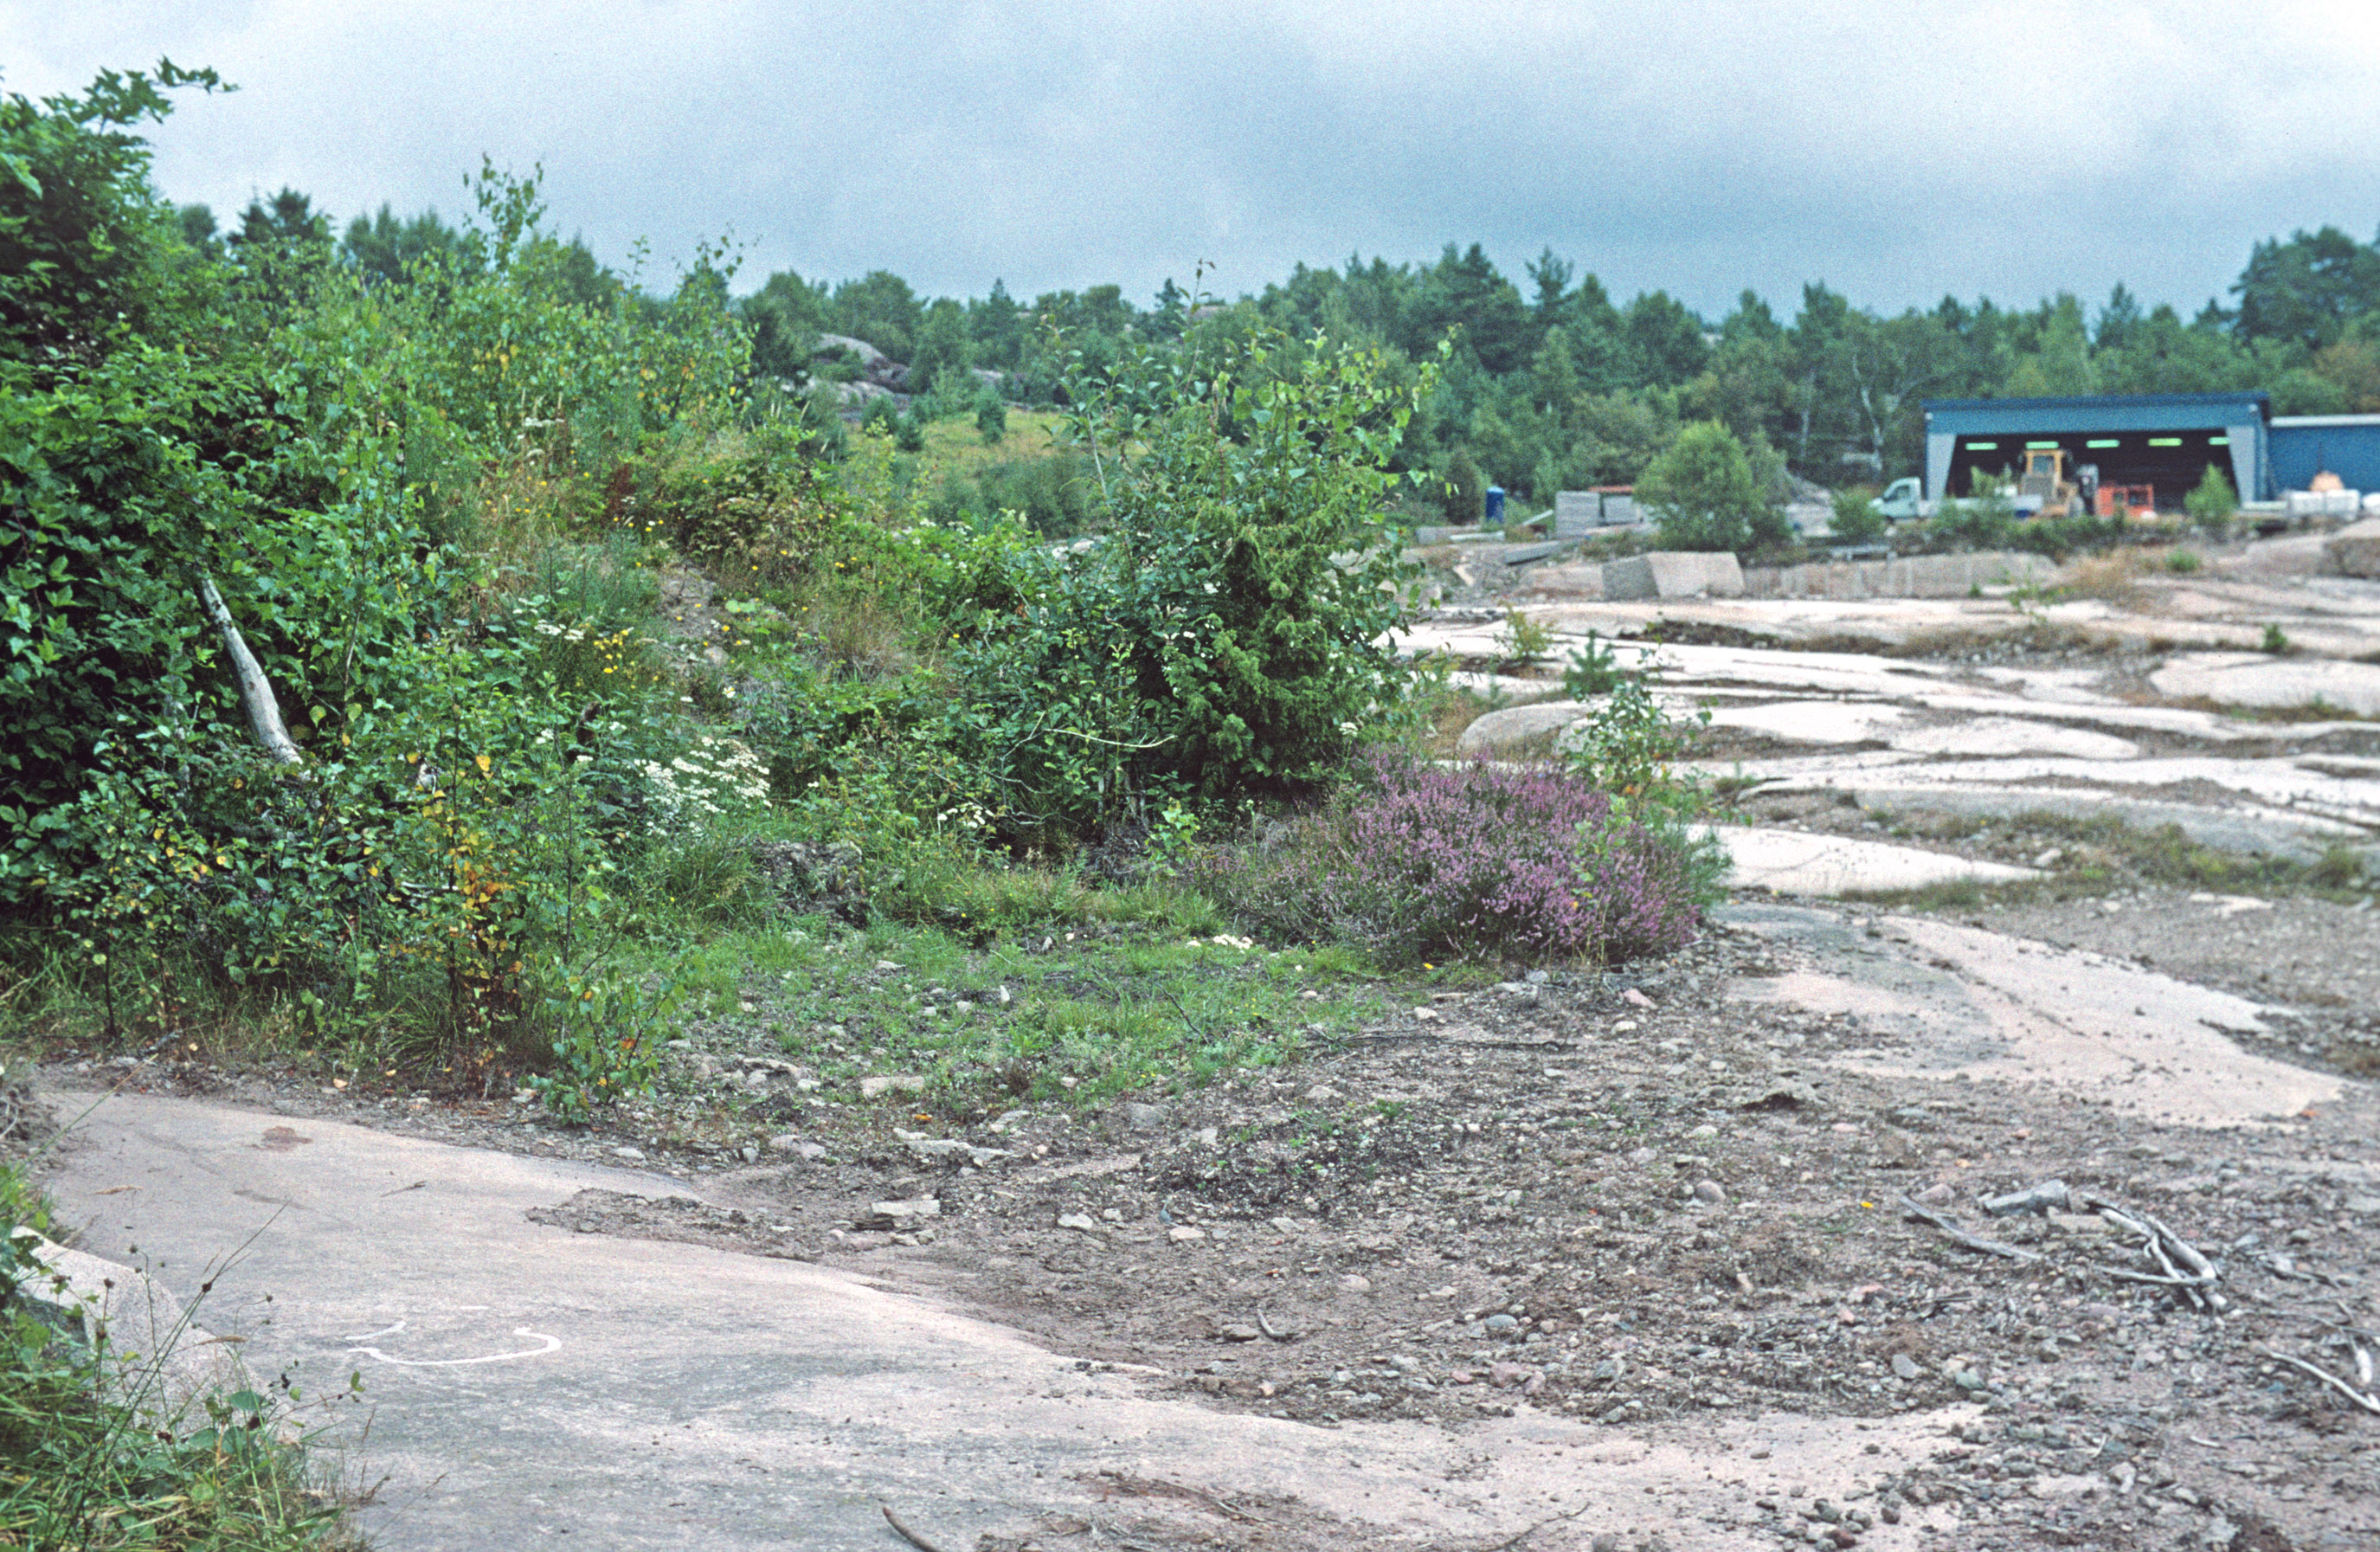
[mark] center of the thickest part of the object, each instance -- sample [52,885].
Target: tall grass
[89,1458]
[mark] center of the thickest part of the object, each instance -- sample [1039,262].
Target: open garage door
[2172,463]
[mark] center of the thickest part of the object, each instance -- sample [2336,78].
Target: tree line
[1553,383]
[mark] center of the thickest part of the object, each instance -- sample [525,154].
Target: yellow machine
[2045,476]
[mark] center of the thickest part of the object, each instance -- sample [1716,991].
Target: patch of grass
[1954,894]
[1444,716]
[2114,578]
[2315,710]
[955,446]
[85,1463]
[942,888]
[1108,989]
[1096,1010]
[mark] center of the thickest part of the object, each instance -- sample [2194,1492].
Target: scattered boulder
[1514,724]
[874,365]
[905,1214]
[2354,551]
[869,359]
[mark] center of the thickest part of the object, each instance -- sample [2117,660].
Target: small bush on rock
[1419,862]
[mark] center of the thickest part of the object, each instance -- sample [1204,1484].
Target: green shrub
[2212,501]
[1465,489]
[1854,520]
[426,882]
[1057,494]
[1705,493]
[1229,636]
[316,457]
[1523,640]
[607,1032]
[1627,746]
[1983,521]
[1591,671]
[2060,536]
[740,499]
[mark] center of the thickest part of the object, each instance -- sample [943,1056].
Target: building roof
[2100,412]
[2316,422]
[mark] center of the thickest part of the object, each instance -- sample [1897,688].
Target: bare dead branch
[2049,1195]
[1961,1237]
[2368,1403]
[255,690]
[922,1543]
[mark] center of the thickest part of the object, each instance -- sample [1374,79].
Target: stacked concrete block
[1907,577]
[1673,573]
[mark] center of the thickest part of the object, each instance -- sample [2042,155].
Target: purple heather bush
[1424,862]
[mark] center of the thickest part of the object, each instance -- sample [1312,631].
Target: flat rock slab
[1814,721]
[2014,735]
[1944,1000]
[2254,679]
[1797,862]
[524,1382]
[2305,784]
[2297,798]
[2181,721]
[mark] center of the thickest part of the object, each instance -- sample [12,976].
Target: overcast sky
[1895,149]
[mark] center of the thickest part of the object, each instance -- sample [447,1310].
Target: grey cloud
[1897,151]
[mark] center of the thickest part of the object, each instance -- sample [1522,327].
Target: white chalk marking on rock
[552,1344]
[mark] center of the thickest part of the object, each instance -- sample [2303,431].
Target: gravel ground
[1631,1198]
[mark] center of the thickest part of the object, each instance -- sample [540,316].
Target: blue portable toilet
[1495,506]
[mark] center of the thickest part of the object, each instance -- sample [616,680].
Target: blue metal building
[2162,440]
[2346,445]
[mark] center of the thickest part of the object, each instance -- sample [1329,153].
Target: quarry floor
[1597,1261]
